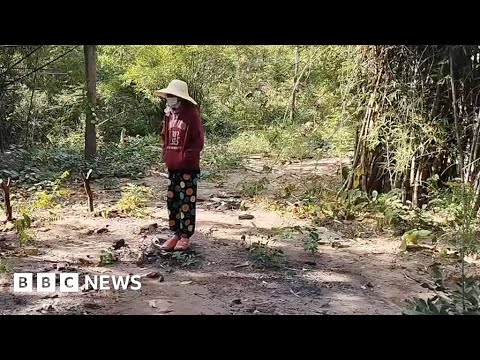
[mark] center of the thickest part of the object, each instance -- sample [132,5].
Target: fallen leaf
[246,217]
[185,283]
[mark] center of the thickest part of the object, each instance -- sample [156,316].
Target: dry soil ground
[348,276]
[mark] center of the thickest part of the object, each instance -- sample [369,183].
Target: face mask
[173,102]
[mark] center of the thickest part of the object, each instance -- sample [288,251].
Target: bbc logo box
[69,282]
[45,282]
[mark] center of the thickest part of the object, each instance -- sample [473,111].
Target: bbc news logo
[69,282]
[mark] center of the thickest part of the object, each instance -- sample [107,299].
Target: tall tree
[295,84]
[91,78]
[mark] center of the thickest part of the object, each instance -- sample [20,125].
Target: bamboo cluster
[421,122]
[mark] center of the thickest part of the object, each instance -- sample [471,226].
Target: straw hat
[177,88]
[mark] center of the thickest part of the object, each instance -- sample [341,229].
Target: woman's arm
[163,135]
[196,134]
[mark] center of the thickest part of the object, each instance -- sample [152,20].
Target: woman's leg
[174,209]
[188,198]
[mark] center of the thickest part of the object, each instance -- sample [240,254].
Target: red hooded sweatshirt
[183,137]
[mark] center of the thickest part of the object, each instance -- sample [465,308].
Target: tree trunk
[29,134]
[88,190]
[294,92]
[91,79]
[6,195]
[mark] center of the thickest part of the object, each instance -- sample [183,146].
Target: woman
[183,140]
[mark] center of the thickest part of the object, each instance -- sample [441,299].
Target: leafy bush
[249,143]
[265,255]
[38,165]
[462,299]
[135,199]
[390,207]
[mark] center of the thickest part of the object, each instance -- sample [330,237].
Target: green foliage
[250,143]
[351,202]
[449,203]
[22,224]
[265,255]
[5,267]
[44,200]
[54,191]
[109,183]
[37,166]
[240,88]
[107,257]
[311,242]
[390,207]
[135,199]
[462,299]
[217,157]
[292,142]
[185,259]
[252,188]
[244,93]
[130,161]
[413,237]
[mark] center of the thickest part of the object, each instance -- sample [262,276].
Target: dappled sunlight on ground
[225,274]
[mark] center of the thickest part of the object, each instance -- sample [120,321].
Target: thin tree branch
[23,58]
[41,67]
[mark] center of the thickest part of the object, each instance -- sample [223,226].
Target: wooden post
[6,194]
[88,190]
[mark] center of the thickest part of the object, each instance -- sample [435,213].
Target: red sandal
[170,244]
[182,244]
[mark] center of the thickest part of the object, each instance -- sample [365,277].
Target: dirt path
[348,276]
